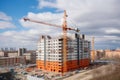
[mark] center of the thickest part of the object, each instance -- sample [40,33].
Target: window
[59,70]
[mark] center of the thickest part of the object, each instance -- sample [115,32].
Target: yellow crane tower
[93,50]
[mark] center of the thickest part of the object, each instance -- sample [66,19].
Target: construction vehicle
[65,29]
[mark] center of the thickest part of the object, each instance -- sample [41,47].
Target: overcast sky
[98,18]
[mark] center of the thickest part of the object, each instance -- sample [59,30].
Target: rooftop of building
[8,51]
[69,37]
[11,57]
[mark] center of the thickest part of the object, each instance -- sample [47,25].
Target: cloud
[88,13]
[5,21]
[44,3]
[5,17]
[5,24]
[29,38]
[20,38]
[113,31]
[99,18]
[47,17]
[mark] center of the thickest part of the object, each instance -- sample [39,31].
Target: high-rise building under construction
[50,53]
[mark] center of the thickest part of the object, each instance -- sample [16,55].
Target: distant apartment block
[50,53]
[21,51]
[12,52]
[11,61]
[112,53]
[30,57]
[8,53]
[98,54]
[105,54]
[2,53]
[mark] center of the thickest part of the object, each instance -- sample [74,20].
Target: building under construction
[50,53]
[64,53]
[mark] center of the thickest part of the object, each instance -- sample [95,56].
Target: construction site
[62,54]
[64,57]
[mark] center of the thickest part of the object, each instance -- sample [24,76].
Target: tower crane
[93,51]
[64,28]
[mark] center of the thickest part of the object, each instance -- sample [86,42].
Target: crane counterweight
[26,19]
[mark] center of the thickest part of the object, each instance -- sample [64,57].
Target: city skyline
[94,18]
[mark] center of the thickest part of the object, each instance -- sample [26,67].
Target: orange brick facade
[56,67]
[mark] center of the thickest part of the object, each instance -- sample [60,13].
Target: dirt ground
[91,74]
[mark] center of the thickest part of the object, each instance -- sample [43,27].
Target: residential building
[11,61]
[98,54]
[13,54]
[50,53]
[2,54]
[21,51]
[112,53]
[30,57]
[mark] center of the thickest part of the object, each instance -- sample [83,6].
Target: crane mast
[64,28]
[93,51]
[64,42]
